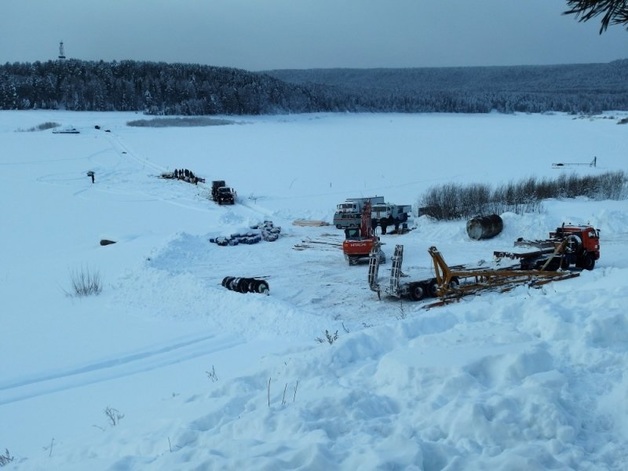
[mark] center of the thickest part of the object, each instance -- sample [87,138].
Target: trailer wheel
[432,288]
[417,291]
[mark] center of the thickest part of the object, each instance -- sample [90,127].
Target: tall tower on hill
[61,53]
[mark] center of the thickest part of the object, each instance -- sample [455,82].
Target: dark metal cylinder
[484,227]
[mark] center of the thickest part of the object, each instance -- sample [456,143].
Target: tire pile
[265,231]
[245,285]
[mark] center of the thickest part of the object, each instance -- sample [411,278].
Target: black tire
[233,284]
[432,288]
[587,262]
[258,286]
[262,287]
[226,281]
[243,285]
[417,291]
[454,282]
[251,287]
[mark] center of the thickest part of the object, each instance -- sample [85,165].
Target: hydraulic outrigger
[452,283]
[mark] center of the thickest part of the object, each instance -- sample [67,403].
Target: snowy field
[168,370]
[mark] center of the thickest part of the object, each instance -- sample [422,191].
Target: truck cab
[386,214]
[225,195]
[349,213]
[583,242]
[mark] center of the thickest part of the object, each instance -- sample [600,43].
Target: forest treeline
[157,88]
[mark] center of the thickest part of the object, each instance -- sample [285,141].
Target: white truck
[386,214]
[348,214]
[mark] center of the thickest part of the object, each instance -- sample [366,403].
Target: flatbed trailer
[452,283]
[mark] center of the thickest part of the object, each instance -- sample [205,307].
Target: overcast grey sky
[282,34]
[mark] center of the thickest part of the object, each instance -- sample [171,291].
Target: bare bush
[6,458]
[451,201]
[85,283]
[41,127]
[329,337]
[212,374]
[113,415]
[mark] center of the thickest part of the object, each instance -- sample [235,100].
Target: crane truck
[569,245]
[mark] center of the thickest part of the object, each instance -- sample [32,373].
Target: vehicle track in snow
[144,360]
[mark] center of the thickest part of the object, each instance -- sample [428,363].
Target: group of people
[187,175]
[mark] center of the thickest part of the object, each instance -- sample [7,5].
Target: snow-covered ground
[168,370]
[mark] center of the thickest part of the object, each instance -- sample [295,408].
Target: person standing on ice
[91,174]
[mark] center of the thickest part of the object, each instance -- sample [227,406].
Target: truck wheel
[587,262]
[417,291]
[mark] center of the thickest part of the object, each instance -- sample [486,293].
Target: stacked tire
[266,231]
[269,231]
[246,285]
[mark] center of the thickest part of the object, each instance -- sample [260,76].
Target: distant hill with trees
[157,88]
[579,88]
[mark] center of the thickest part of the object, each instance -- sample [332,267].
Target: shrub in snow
[113,415]
[453,201]
[329,337]
[6,458]
[85,283]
